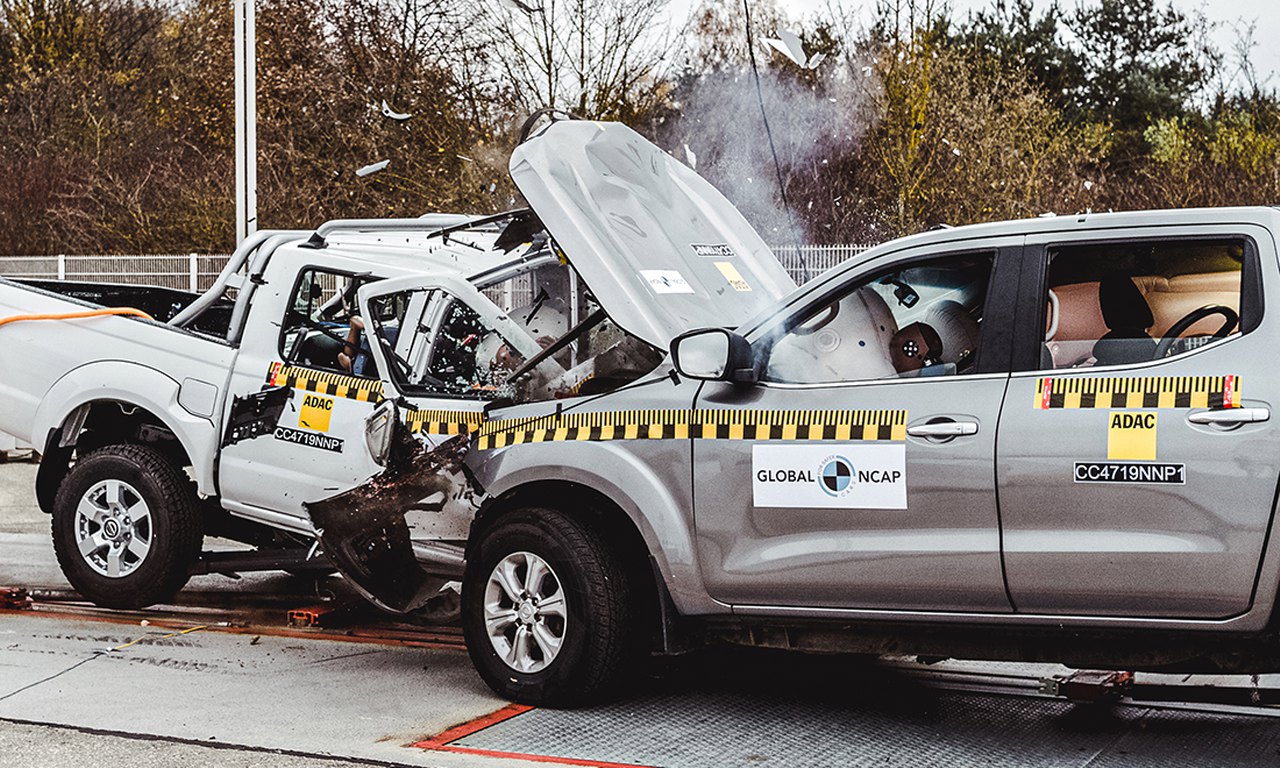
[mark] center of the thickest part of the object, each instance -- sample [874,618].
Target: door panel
[860,474]
[1115,501]
[317,448]
[940,552]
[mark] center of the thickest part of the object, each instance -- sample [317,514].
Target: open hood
[662,250]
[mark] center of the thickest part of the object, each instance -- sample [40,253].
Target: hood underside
[662,250]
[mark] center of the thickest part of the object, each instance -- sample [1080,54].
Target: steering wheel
[1171,336]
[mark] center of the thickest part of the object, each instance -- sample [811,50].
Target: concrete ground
[95,688]
[22,746]
[18,510]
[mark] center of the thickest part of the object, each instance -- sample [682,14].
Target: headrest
[1123,305]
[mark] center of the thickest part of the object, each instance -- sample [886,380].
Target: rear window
[1129,302]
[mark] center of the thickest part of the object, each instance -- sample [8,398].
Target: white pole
[246,120]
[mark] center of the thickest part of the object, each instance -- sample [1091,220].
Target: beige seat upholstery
[1080,322]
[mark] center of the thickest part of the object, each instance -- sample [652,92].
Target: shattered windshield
[539,336]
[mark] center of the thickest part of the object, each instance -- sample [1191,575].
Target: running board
[230,563]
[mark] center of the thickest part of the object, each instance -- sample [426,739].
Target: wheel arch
[136,403]
[629,496]
[596,510]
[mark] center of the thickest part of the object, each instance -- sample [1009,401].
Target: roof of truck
[396,253]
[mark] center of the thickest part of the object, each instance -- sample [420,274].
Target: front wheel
[546,610]
[126,527]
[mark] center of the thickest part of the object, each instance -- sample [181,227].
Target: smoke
[818,120]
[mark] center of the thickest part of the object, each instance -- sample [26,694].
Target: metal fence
[196,272]
[188,272]
[814,259]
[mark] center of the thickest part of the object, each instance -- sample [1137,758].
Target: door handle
[1229,416]
[944,429]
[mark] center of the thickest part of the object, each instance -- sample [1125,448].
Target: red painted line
[1045,393]
[534,758]
[441,742]
[463,730]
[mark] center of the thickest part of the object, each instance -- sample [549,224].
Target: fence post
[195,273]
[62,266]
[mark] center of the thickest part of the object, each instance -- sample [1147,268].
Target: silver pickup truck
[618,422]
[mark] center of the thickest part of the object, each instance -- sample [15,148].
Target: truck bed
[161,303]
[35,355]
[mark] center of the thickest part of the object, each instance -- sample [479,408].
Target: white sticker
[666,281]
[830,476]
[717,251]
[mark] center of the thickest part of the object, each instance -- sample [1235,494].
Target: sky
[1266,13]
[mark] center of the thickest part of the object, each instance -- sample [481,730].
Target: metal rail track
[1225,695]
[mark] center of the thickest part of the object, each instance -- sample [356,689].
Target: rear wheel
[126,527]
[546,610]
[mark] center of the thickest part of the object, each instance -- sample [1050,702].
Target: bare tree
[598,58]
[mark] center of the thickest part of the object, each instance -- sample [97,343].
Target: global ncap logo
[837,476]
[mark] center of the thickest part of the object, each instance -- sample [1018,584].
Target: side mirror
[380,430]
[713,354]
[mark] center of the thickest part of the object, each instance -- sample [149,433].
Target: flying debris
[387,111]
[1088,185]
[522,6]
[373,168]
[690,157]
[788,44]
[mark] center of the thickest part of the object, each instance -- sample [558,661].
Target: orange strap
[120,311]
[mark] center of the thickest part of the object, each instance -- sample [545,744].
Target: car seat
[1127,316]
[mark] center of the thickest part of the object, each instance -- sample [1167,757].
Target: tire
[592,618]
[137,517]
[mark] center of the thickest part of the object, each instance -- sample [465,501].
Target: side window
[919,319]
[321,328]
[1130,302]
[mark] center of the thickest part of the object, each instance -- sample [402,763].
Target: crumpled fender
[136,385]
[363,530]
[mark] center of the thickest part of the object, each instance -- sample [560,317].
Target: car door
[857,473]
[1136,452]
[300,397]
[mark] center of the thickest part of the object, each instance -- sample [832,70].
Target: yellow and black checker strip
[444,422]
[706,424]
[325,383]
[673,424]
[1139,392]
